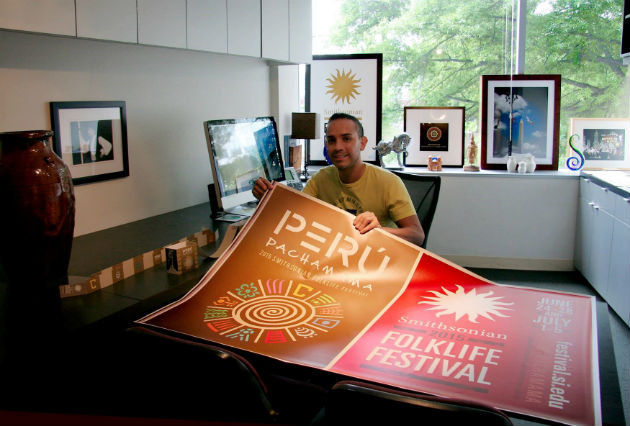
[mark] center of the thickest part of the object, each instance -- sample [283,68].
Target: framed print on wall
[350,84]
[603,142]
[520,115]
[91,138]
[435,131]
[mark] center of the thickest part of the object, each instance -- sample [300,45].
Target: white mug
[522,167]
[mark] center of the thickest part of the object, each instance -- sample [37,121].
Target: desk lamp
[304,125]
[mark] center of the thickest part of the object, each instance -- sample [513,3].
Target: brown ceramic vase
[37,214]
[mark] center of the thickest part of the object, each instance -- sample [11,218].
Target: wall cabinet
[602,249]
[244,27]
[207,25]
[49,16]
[279,30]
[300,31]
[275,29]
[287,30]
[114,20]
[162,22]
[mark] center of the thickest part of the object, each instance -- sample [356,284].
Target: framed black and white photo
[349,84]
[435,131]
[91,138]
[602,141]
[520,115]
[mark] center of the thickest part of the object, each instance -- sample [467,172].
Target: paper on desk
[228,238]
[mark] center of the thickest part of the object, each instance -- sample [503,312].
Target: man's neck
[353,174]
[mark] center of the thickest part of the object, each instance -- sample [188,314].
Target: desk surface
[142,293]
[115,307]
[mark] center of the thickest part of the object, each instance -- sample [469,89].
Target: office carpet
[573,282]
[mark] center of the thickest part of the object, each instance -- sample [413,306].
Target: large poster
[315,292]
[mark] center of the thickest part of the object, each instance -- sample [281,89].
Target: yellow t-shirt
[378,191]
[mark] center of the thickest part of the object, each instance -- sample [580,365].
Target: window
[435,51]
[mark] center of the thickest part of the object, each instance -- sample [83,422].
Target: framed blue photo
[520,115]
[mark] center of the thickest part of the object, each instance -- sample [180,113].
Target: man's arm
[409,228]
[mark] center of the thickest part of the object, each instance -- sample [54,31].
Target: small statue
[398,145]
[471,156]
[531,164]
[434,163]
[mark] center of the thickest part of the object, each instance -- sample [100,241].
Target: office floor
[572,282]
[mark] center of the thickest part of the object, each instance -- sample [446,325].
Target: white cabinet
[114,20]
[162,22]
[42,16]
[275,29]
[300,31]
[601,246]
[602,251]
[244,30]
[279,30]
[207,25]
[618,291]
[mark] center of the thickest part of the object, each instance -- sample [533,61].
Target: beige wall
[168,94]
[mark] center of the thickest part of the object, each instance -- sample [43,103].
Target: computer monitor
[241,150]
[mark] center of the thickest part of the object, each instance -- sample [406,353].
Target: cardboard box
[181,257]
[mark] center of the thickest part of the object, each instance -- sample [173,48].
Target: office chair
[356,403]
[175,377]
[424,192]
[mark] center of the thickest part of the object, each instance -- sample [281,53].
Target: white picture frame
[349,84]
[597,140]
[448,125]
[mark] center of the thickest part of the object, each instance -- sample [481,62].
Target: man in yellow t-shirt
[376,196]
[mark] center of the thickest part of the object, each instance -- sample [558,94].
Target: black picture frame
[370,108]
[91,138]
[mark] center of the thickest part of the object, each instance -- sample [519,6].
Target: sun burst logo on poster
[471,304]
[273,312]
[343,86]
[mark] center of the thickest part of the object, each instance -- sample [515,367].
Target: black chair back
[183,378]
[424,192]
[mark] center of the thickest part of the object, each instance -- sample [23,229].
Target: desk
[121,303]
[83,351]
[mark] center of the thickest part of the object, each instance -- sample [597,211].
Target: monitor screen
[241,150]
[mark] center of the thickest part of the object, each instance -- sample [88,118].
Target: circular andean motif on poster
[273,312]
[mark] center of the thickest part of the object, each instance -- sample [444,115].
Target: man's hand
[261,186]
[365,222]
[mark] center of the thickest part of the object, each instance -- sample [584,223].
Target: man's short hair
[343,115]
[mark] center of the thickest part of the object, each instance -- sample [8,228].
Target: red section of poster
[301,285]
[456,335]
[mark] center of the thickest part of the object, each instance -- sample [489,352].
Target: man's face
[343,143]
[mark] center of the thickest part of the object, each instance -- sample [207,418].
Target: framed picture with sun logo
[350,84]
[435,132]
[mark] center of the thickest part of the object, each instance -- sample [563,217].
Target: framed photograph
[520,115]
[602,141]
[91,138]
[435,131]
[345,83]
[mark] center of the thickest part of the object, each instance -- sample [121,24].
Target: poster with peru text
[301,285]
